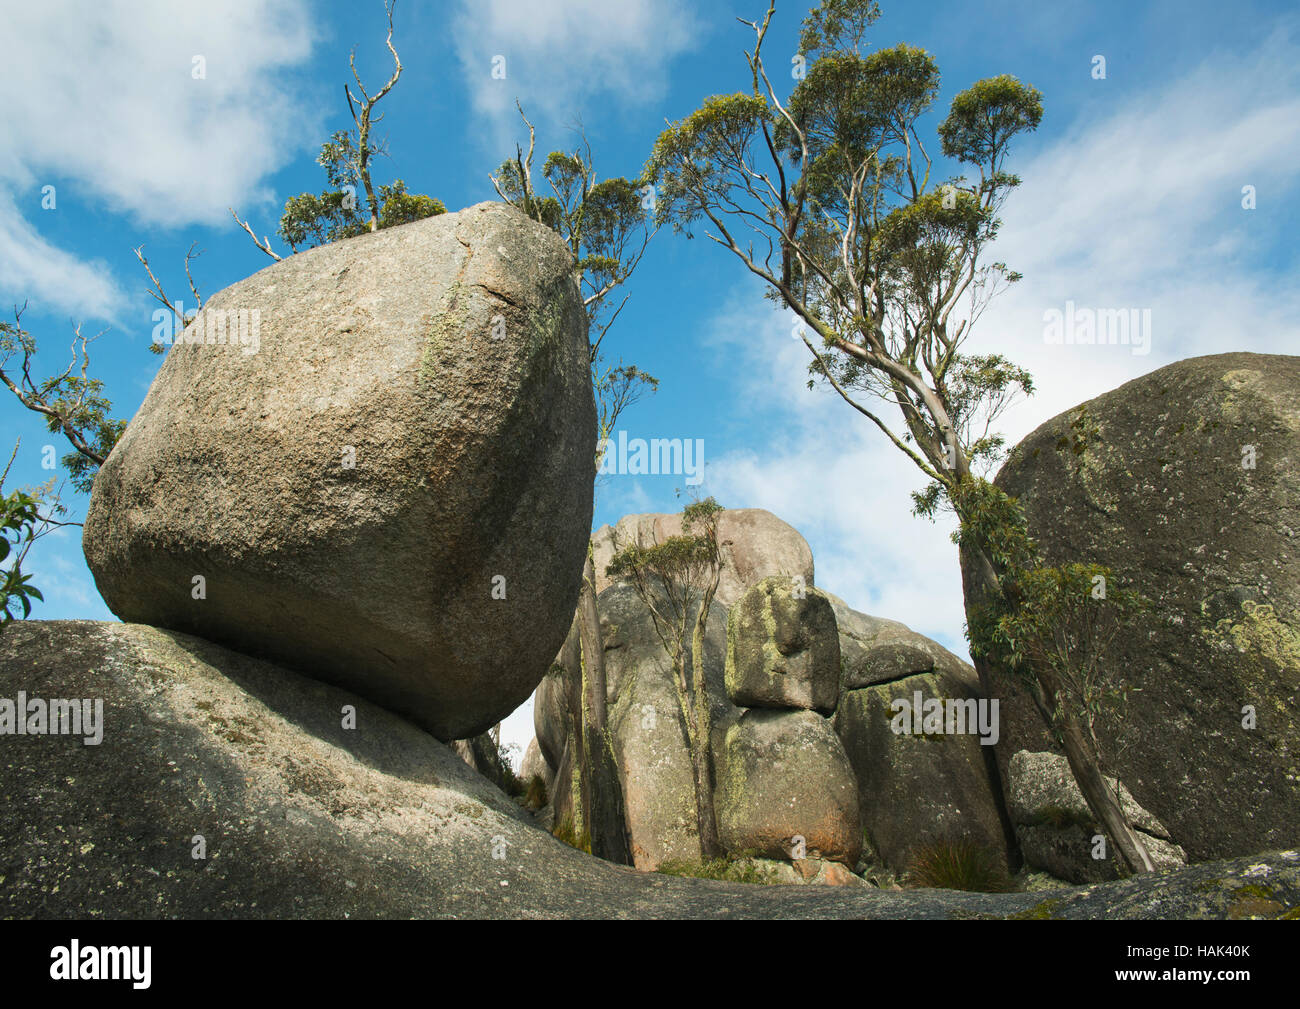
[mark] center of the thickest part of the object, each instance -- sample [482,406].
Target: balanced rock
[783,649]
[390,488]
[753,543]
[786,789]
[1057,831]
[1186,483]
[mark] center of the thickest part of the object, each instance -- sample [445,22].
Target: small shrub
[535,793]
[1055,816]
[727,870]
[957,865]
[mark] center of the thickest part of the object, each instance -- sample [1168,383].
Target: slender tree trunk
[710,844]
[1085,764]
[980,584]
[593,650]
[606,817]
[578,785]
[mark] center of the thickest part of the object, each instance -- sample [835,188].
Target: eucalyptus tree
[832,196]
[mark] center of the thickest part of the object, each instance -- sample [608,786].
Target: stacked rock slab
[785,788]
[1058,833]
[390,489]
[914,788]
[645,724]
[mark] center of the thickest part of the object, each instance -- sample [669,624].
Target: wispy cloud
[110,101]
[34,268]
[558,54]
[106,105]
[1142,208]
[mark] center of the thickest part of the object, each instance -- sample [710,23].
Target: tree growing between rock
[604,224]
[676,580]
[886,269]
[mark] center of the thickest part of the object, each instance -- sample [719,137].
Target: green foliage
[740,869]
[1051,624]
[957,865]
[19,516]
[535,796]
[71,403]
[985,117]
[831,196]
[679,560]
[837,25]
[310,220]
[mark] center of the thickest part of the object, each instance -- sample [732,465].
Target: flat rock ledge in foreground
[303,818]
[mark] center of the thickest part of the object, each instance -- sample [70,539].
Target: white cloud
[560,53]
[33,268]
[102,104]
[1136,208]
[109,102]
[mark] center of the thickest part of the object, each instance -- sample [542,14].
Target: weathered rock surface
[754,544]
[783,650]
[1056,829]
[416,425]
[918,789]
[534,765]
[481,753]
[646,726]
[1155,480]
[305,819]
[551,720]
[783,775]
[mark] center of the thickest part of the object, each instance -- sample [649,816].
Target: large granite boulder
[783,650]
[393,493]
[1186,482]
[207,752]
[754,544]
[786,789]
[1057,831]
[916,788]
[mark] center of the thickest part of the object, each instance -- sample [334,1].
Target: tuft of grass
[957,865]
[1055,816]
[535,793]
[726,870]
[564,831]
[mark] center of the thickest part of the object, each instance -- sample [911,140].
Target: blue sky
[1131,198]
